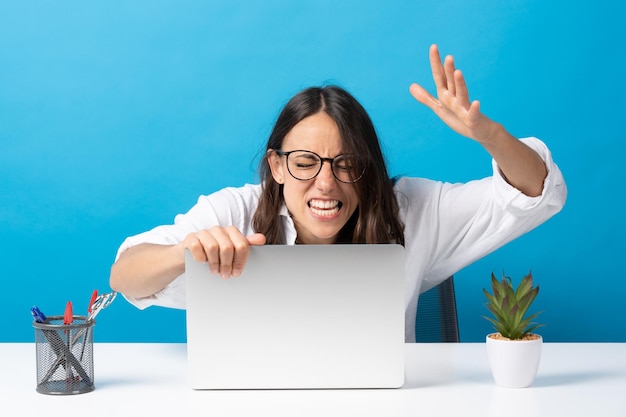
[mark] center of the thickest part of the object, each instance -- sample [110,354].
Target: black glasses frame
[331,161]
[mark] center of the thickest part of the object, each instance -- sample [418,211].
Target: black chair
[436,316]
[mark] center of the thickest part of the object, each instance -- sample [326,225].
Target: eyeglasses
[305,165]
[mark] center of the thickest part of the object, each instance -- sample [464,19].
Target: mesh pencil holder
[64,355]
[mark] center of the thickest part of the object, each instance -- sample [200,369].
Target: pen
[94,297]
[68,319]
[38,315]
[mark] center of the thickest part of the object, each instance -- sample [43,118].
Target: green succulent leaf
[524,287]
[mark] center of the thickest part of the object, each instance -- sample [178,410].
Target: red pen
[68,319]
[68,316]
[94,295]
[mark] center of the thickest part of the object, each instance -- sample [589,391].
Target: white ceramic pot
[514,363]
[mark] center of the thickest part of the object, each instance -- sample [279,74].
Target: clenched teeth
[325,207]
[324,204]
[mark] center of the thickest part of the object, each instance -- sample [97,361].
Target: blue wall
[115,116]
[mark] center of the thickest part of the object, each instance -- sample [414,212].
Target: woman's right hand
[225,249]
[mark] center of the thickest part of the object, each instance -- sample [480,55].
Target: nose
[325,180]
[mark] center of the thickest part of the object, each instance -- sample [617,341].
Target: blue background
[116,115]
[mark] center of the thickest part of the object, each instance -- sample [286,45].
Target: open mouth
[325,208]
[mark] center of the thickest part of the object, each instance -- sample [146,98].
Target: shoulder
[422,199]
[228,206]
[246,196]
[415,190]
[415,185]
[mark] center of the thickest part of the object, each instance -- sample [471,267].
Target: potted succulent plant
[513,350]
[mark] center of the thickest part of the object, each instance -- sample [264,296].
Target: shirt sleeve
[554,191]
[227,207]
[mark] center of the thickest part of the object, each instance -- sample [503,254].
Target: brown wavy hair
[376,220]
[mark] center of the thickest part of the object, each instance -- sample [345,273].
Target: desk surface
[574,379]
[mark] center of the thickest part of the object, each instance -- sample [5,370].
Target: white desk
[442,380]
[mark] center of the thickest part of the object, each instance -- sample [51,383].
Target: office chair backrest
[436,316]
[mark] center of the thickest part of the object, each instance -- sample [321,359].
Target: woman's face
[321,206]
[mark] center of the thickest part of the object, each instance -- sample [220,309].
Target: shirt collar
[289,228]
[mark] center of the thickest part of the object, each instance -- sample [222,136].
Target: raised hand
[452,103]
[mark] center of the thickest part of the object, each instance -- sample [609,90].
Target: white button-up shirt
[447,226]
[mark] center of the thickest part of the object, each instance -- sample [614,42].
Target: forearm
[145,269]
[522,167]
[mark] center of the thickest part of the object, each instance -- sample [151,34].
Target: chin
[328,237]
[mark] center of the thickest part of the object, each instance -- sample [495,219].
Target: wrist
[496,134]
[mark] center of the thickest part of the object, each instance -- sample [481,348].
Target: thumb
[420,94]
[256,239]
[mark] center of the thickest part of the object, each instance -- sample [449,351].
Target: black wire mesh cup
[64,355]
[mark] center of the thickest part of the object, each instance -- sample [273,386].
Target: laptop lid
[303,316]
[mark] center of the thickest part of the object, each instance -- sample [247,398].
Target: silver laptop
[304,316]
